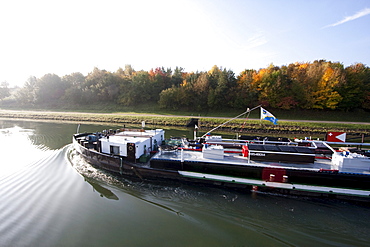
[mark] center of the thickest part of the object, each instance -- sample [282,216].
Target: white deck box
[213,152]
[354,163]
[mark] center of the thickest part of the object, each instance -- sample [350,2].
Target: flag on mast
[265,115]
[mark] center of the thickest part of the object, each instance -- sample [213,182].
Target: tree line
[313,85]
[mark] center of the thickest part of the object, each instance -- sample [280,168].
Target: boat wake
[159,193]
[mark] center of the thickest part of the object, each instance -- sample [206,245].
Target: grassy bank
[205,123]
[353,116]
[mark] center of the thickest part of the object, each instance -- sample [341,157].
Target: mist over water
[49,196]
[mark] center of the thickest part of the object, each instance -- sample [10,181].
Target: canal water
[50,197]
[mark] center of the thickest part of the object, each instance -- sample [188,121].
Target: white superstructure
[132,143]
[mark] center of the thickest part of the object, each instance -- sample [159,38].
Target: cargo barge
[255,166]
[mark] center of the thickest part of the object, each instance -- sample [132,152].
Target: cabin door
[131,151]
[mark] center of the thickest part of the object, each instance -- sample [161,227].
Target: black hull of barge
[272,174]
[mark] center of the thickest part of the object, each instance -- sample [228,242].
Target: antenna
[248,110]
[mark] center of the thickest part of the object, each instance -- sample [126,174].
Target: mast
[248,110]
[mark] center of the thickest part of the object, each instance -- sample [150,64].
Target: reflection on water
[22,151]
[50,197]
[104,192]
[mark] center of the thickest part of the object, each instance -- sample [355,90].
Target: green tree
[160,79]
[138,90]
[221,83]
[245,94]
[199,89]
[266,81]
[289,90]
[129,71]
[4,90]
[177,77]
[26,95]
[102,86]
[299,86]
[74,85]
[354,89]
[170,98]
[49,90]
[366,102]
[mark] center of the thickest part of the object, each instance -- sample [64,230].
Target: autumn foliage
[314,85]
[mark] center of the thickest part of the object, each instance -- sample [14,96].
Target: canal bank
[243,125]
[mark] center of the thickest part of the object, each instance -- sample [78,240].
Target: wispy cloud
[256,40]
[359,14]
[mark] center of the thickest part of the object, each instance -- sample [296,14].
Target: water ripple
[32,199]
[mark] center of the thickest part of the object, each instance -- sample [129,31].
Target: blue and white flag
[265,115]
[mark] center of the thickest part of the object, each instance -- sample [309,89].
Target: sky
[62,37]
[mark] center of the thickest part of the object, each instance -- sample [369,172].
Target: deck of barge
[238,160]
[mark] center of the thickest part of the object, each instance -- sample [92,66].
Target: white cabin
[132,143]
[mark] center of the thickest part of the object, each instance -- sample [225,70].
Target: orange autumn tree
[325,96]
